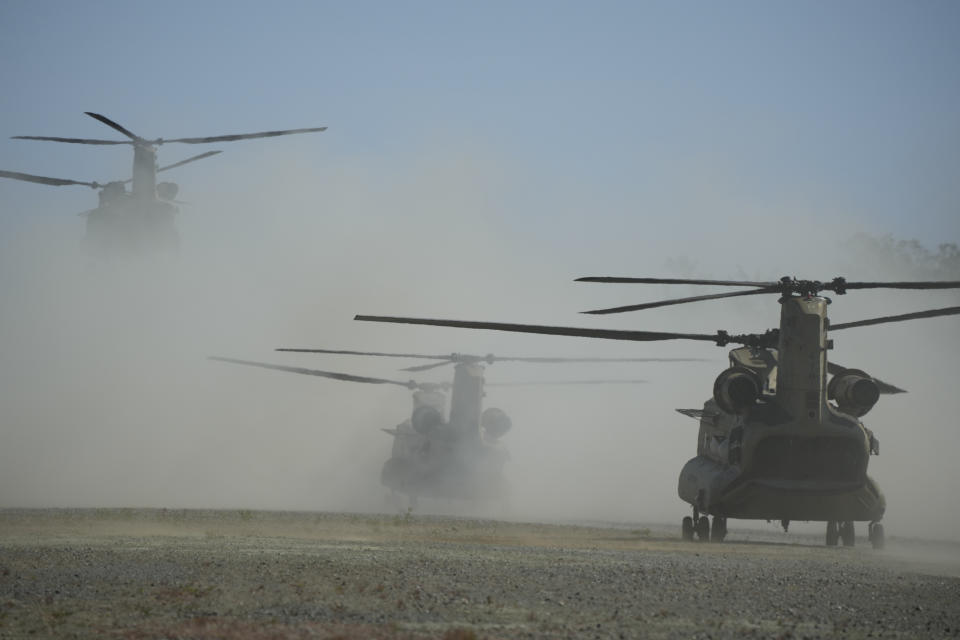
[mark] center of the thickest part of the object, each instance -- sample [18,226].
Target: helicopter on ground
[462,457]
[141,219]
[771,444]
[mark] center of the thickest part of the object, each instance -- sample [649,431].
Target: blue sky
[851,105]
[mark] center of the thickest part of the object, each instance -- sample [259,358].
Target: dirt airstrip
[138,574]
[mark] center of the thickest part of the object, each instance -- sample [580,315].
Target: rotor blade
[561,360]
[242,136]
[454,357]
[113,125]
[53,182]
[491,359]
[368,353]
[719,283]
[885,387]
[447,359]
[925,284]
[323,374]
[71,140]
[826,285]
[561,382]
[932,313]
[183,162]
[665,303]
[427,367]
[609,334]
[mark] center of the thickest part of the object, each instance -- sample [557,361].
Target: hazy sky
[479,156]
[847,108]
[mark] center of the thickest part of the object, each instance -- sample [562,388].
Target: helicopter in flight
[460,457]
[141,219]
[778,440]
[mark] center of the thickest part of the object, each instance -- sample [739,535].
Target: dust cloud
[107,398]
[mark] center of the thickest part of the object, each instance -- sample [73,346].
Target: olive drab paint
[790,455]
[802,387]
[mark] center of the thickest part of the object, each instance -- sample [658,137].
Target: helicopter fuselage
[142,219]
[129,223]
[450,459]
[788,453]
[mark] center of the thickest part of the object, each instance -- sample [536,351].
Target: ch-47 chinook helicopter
[459,458]
[771,444]
[141,219]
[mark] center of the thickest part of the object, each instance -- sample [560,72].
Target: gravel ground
[258,575]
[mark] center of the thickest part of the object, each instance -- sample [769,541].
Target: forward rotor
[136,140]
[786,286]
[768,339]
[721,338]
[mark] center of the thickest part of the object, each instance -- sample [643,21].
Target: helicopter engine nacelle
[167,190]
[736,389]
[111,191]
[854,391]
[425,419]
[495,423]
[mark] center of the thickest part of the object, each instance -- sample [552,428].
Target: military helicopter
[771,444]
[459,458]
[141,219]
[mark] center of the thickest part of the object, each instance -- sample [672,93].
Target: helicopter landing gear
[847,533]
[875,530]
[703,529]
[840,530]
[833,535]
[719,529]
[699,526]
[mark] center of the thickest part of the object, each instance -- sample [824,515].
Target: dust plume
[107,398]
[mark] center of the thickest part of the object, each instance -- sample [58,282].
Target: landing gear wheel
[686,529]
[703,529]
[847,533]
[719,529]
[876,535]
[832,534]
